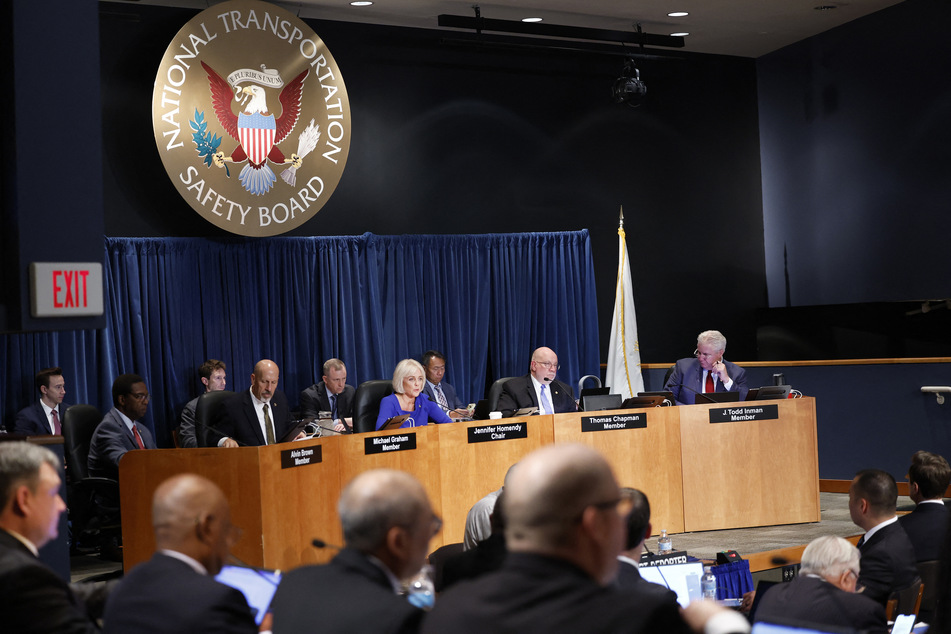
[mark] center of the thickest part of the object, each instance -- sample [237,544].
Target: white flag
[624,355]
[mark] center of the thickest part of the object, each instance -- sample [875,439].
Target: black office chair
[92,502]
[906,601]
[366,404]
[205,411]
[496,391]
[928,571]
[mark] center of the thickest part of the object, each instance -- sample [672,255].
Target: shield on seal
[256,134]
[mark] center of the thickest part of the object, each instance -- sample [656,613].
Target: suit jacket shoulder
[111,440]
[165,594]
[32,420]
[887,563]
[814,600]
[33,598]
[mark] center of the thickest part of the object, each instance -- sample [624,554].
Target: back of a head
[178,504]
[878,488]
[931,473]
[638,519]
[20,463]
[829,556]
[548,491]
[375,501]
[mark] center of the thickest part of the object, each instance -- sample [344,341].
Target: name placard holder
[504,431]
[301,457]
[386,444]
[744,413]
[609,422]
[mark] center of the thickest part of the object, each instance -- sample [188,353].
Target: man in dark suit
[888,558]
[928,478]
[213,375]
[175,591]
[706,371]
[254,417]
[439,391]
[486,556]
[387,523]
[638,530]
[33,598]
[538,388]
[46,415]
[332,395]
[119,430]
[824,592]
[564,530]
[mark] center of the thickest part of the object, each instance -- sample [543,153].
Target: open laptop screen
[257,585]
[683,579]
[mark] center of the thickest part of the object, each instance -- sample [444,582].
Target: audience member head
[386,513]
[264,379]
[30,504]
[563,501]
[434,363]
[51,385]
[834,559]
[190,515]
[638,521]
[544,365]
[873,497]
[408,378]
[335,376]
[130,395]
[213,375]
[928,476]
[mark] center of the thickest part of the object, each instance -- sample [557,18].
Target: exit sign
[66,289]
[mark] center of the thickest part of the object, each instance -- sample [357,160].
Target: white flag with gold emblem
[624,355]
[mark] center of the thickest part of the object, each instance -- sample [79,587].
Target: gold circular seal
[251,118]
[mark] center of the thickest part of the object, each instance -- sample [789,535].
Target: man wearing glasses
[539,388]
[119,430]
[707,371]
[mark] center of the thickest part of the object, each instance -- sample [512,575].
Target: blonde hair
[405,368]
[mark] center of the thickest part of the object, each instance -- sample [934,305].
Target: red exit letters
[69,288]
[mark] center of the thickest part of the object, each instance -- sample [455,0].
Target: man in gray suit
[119,432]
[438,391]
[213,376]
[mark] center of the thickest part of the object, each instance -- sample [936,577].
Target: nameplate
[744,413]
[506,431]
[675,557]
[386,444]
[301,457]
[614,421]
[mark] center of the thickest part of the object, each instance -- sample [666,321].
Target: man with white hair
[565,527]
[824,593]
[707,371]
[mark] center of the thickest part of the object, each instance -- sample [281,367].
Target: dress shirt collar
[394,582]
[23,540]
[193,563]
[941,502]
[125,419]
[875,528]
[257,402]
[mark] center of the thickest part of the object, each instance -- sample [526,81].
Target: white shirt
[874,529]
[259,410]
[49,415]
[538,394]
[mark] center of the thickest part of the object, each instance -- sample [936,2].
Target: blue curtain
[485,301]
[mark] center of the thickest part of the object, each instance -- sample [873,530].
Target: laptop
[258,586]
[598,402]
[594,391]
[683,579]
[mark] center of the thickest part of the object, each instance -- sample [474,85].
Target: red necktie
[709,386]
[138,438]
[57,429]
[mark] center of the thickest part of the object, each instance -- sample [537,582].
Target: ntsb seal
[251,118]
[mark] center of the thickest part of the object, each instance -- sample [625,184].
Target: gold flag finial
[621,225]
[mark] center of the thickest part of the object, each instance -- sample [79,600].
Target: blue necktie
[546,402]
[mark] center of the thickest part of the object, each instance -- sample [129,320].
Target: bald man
[387,523]
[539,388]
[565,527]
[257,416]
[175,591]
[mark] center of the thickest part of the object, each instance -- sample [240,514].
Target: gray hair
[376,501]
[829,556]
[403,369]
[20,464]
[713,338]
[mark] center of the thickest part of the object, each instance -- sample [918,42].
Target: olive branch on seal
[206,142]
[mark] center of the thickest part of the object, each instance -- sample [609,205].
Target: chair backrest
[928,571]
[906,601]
[667,374]
[205,410]
[79,424]
[495,391]
[366,404]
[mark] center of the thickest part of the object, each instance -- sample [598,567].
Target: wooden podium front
[644,457]
[761,469]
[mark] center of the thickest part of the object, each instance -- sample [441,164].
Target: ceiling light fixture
[677,14]
[360,3]
[628,88]
[681,34]
[531,19]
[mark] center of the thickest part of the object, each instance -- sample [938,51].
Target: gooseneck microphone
[319,543]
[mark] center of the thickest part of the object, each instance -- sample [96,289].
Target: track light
[628,88]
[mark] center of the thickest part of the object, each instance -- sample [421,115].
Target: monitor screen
[761,627]
[683,579]
[257,585]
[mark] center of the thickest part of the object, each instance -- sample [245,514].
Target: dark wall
[855,126]
[459,139]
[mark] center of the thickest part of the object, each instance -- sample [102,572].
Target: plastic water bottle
[422,592]
[708,584]
[664,545]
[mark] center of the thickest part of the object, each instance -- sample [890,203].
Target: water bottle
[422,592]
[664,545]
[708,584]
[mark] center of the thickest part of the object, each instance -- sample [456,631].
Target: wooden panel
[234,470]
[470,471]
[299,504]
[422,462]
[750,473]
[648,459]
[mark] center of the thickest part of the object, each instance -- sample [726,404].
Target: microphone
[548,379]
[319,543]
[224,435]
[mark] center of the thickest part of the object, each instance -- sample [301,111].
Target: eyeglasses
[549,365]
[140,396]
[622,504]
